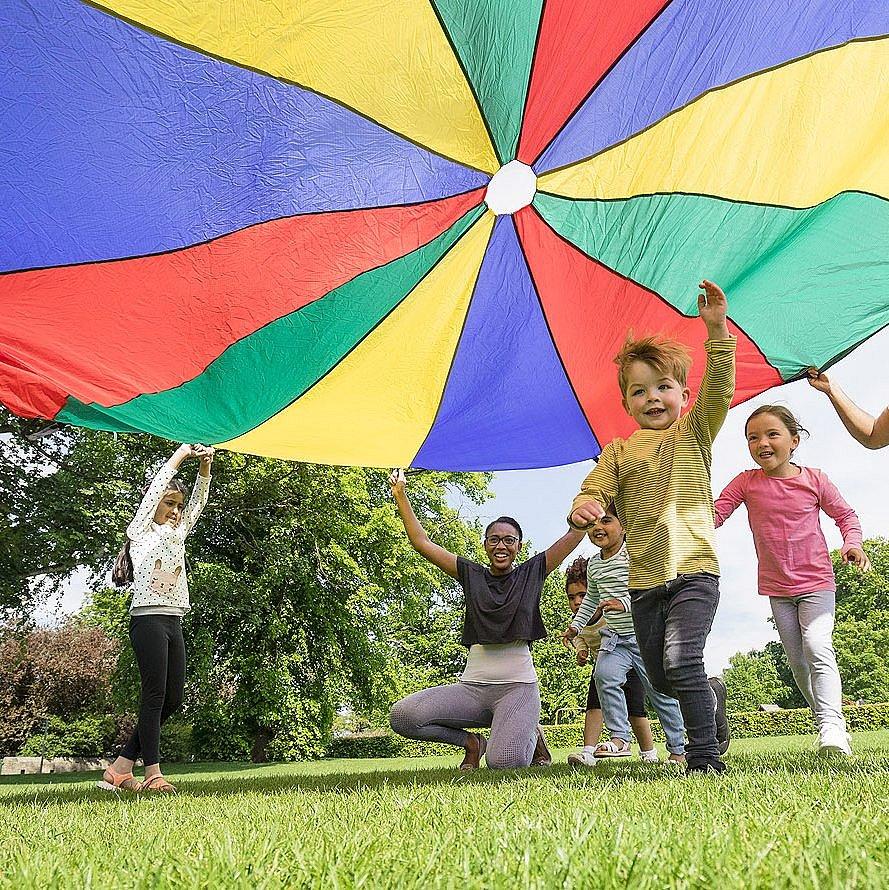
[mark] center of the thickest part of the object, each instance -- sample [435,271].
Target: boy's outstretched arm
[713,309]
[871,432]
[598,490]
[718,383]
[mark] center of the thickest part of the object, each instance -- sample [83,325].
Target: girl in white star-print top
[152,563]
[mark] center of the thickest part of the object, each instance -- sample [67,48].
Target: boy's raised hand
[586,514]
[713,307]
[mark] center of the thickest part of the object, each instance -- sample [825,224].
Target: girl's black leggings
[160,653]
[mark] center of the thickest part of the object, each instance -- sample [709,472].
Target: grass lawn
[782,817]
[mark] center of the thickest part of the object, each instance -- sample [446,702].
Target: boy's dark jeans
[672,622]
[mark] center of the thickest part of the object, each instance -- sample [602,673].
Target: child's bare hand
[582,658]
[204,452]
[857,557]
[587,514]
[612,605]
[568,635]
[713,308]
[818,380]
[397,481]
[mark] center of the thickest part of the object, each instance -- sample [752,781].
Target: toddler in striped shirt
[608,598]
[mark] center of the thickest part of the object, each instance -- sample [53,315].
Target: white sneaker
[649,756]
[581,758]
[834,740]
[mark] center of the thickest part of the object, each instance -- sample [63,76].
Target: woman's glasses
[494,540]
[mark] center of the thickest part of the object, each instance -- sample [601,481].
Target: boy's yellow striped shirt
[659,481]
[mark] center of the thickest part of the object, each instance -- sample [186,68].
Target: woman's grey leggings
[443,713]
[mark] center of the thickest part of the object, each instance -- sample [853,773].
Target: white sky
[540,499]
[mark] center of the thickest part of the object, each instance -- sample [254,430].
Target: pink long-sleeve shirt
[784,519]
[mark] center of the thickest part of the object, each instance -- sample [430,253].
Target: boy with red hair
[659,481]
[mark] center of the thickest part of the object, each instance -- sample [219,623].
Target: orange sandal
[112,781]
[157,785]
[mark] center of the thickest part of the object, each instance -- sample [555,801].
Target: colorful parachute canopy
[415,232]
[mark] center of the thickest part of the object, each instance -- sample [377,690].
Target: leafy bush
[216,734]
[87,736]
[302,737]
[95,736]
[176,741]
[61,672]
[799,721]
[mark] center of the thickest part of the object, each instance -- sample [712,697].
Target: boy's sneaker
[716,768]
[723,734]
[584,758]
[834,740]
[649,756]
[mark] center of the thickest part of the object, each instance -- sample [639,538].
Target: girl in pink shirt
[784,502]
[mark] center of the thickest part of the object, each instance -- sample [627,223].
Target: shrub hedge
[746,725]
[98,736]
[94,736]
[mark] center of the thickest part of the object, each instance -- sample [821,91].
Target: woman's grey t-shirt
[502,608]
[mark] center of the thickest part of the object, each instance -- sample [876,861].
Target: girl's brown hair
[122,573]
[785,415]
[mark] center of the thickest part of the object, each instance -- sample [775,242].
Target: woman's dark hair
[122,573]
[506,520]
[576,571]
[785,415]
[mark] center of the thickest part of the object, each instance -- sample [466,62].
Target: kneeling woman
[498,688]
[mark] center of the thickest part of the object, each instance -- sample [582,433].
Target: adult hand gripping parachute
[415,232]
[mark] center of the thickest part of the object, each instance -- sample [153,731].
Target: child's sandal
[612,749]
[112,781]
[157,785]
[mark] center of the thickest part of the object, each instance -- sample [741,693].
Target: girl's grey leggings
[443,713]
[805,625]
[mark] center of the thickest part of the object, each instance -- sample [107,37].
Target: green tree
[298,574]
[862,593]
[862,647]
[751,679]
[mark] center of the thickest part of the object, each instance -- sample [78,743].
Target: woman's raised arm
[421,542]
[557,553]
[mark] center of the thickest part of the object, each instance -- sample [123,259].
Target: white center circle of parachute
[511,188]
